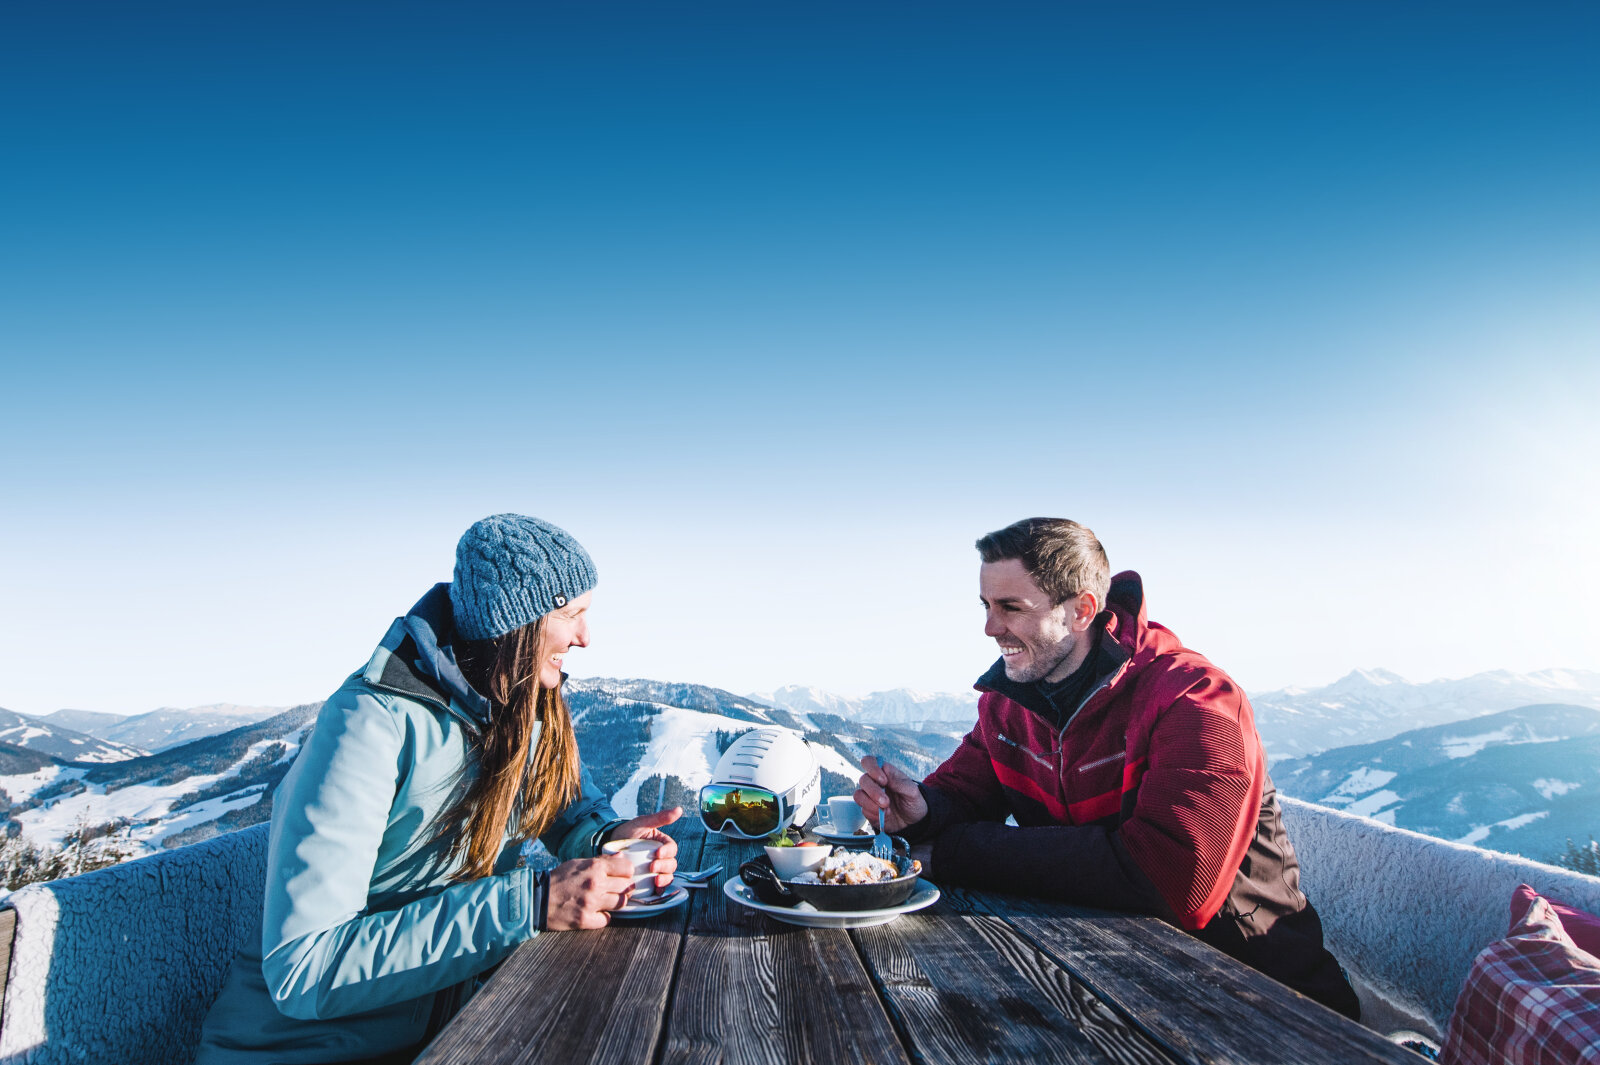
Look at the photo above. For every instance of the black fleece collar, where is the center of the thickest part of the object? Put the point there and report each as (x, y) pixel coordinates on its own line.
(423, 662)
(1042, 697)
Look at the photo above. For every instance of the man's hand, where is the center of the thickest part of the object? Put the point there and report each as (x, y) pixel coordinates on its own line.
(582, 890)
(649, 826)
(884, 787)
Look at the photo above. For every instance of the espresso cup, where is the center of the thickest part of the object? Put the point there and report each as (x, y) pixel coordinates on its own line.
(845, 814)
(640, 853)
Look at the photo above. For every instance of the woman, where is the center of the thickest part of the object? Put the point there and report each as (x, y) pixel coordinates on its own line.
(392, 866)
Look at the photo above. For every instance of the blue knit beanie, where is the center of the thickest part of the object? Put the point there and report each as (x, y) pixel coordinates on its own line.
(510, 570)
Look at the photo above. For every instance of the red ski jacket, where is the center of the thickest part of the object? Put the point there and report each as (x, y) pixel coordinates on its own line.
(1152, 796)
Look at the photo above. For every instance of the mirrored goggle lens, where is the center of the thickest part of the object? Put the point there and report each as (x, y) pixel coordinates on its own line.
(753, 811)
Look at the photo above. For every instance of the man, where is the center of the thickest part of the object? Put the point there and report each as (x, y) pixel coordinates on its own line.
(1130, 763)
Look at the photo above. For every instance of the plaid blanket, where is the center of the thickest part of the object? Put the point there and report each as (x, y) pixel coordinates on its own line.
(1532, 998)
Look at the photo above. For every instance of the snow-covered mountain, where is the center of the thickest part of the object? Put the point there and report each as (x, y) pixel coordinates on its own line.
(166, 727)
(59, 740)
(94, 736)
(1369, 705)
(157, 800)
(647, 743)
(1515, 780)
(89, 722)
(1521, 781)
(652, 744)
(900, 707)
(805, 699)
(1363, 706)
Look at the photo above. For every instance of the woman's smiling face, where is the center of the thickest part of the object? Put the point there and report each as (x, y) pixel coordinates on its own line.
(564, 628)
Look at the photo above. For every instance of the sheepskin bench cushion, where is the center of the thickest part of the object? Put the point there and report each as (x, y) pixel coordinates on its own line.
(1532, 998)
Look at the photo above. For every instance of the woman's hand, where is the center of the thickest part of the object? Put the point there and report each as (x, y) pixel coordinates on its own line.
(649, 826)
(582, 890)
(884, 787)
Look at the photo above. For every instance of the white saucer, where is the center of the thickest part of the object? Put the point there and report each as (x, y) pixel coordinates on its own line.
(674, 897)
(825, 830)
(808, 916)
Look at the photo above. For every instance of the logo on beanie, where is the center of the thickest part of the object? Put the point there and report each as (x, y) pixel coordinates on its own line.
(510, 570)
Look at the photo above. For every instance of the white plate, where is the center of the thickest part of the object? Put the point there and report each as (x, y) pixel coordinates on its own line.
(825, 830)
(672, 898)
(808, 916)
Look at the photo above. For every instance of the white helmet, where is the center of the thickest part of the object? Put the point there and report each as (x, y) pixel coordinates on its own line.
(766, 781)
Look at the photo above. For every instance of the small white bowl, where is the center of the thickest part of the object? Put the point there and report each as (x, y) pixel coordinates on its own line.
(790, 862)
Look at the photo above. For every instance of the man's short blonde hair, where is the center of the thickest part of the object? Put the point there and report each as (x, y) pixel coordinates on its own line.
(1063, 557)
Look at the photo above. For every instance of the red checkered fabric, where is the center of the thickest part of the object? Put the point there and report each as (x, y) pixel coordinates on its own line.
(1582, 927)
(1532, 998)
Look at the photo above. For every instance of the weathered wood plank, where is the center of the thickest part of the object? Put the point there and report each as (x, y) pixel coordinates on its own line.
(1200, 1004)
(967, 987)
(980, 977)
(754, 990)
(592, 997)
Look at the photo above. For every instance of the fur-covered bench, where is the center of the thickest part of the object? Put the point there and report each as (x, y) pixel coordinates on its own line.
(1407, 913)
(118, 966)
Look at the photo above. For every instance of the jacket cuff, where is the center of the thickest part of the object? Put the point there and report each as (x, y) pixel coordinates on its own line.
(946, 854)
(1082, 864)
(602, 835)
(527, 898)
(939, 814)
(539, 906)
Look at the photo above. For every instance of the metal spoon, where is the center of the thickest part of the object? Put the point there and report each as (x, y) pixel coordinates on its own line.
(699, 878)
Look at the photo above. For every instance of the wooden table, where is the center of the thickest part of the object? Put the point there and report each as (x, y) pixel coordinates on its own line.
(975, 977)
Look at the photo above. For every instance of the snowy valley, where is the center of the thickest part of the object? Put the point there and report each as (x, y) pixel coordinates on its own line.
(648, 743)
(1521, 781)
(1463, 760)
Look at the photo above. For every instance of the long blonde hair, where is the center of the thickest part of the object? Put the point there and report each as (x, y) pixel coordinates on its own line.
(507, 783)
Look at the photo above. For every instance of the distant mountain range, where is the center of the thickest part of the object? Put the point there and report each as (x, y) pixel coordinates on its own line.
(1369, 705)
(1361, 707)
(60, 740)
(900, 707)
(179, 795)
(653, 744)
(647, 744)
(1522, 781)
(94, 736)
(167, 727)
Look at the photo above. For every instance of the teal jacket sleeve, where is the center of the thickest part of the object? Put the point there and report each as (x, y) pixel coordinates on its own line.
(578, 831)
(323, 954)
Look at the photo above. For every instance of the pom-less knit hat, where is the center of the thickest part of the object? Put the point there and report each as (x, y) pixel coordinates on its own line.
(510, 570)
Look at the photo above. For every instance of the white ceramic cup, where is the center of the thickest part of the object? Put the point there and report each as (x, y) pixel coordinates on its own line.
(639, 852)
(845, 814)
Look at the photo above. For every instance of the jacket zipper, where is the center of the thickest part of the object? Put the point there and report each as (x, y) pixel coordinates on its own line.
(1061, 737)
(1098, 762)
(1003, 738)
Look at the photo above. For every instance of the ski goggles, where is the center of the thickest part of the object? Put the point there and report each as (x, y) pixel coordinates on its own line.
(745, 811)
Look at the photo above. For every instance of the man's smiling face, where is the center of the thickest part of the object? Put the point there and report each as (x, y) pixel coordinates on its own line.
(1036, 637)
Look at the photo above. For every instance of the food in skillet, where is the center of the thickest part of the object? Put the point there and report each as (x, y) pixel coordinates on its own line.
(851, 867)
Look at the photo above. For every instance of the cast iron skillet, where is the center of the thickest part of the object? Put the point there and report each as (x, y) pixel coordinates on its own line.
(767, 887)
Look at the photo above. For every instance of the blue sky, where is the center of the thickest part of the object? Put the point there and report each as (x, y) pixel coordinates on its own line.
(778, 310)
